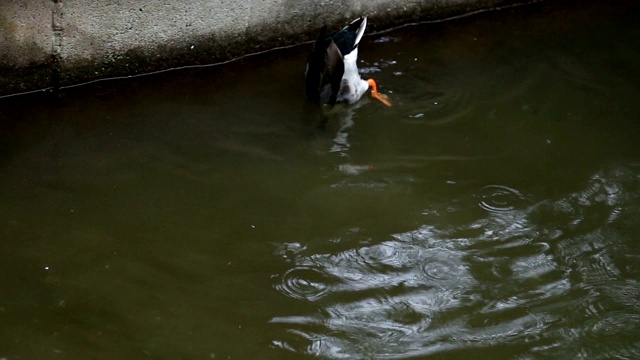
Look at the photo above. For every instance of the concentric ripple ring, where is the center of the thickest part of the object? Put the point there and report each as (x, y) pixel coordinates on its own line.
(500, 199)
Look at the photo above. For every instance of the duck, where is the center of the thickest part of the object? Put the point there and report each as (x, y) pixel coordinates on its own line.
(331, 74)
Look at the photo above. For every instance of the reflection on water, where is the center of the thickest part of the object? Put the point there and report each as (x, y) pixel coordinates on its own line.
(208, 213)
(522, 273)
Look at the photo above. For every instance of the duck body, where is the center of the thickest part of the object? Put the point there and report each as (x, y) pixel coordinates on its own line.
(331, 75)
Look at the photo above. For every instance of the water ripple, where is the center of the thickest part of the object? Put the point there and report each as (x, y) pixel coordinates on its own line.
(500, 199)
(515, 272)
(612, 335)
(437, 107)
(304, 283)
(599, 203)
(445, 268)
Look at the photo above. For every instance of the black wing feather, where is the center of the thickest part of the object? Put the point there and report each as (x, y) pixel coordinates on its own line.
(315, 66)
(333, 71)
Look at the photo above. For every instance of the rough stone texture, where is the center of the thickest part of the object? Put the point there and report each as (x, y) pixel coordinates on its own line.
(25, 45)
(52, 43)
(25, 32)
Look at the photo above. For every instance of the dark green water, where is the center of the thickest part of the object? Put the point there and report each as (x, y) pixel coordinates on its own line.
(493, 212)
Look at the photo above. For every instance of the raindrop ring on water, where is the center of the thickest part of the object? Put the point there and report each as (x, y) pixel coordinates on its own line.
(499, 199)
(304, 283)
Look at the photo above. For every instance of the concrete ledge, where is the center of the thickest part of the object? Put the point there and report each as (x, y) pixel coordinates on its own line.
(53, 43)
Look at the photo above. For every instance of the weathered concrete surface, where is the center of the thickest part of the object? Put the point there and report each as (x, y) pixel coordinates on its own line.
(25, 45)
(51, 43)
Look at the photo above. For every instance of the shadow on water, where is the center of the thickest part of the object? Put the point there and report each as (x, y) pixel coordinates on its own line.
(209, 213)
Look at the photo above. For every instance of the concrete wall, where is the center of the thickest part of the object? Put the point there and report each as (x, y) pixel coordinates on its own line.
(51, 43)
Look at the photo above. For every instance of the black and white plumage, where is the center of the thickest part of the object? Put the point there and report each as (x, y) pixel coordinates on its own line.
(331, 75)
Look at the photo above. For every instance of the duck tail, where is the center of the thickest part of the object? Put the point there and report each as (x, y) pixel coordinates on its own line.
(362, 25)
(349, 37)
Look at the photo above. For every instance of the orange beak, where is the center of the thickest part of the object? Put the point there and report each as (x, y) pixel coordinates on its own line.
(376, 95)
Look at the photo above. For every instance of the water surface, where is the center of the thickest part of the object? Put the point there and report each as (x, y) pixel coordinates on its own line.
(210, 213)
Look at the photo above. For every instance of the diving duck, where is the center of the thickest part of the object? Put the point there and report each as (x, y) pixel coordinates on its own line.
(331, 75)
